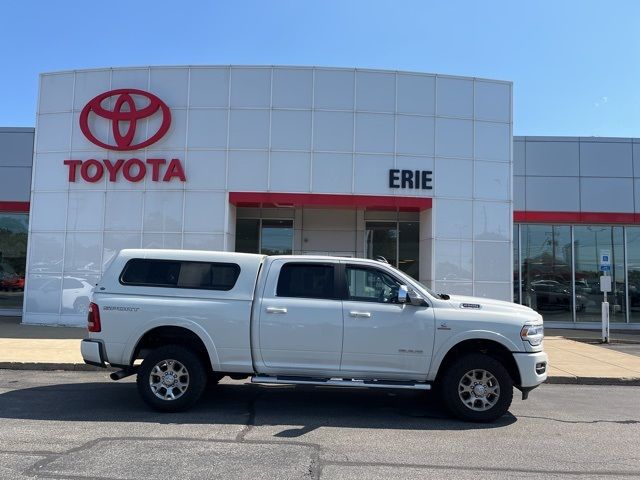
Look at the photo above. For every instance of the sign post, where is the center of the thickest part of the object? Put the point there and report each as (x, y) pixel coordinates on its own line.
(605, 287)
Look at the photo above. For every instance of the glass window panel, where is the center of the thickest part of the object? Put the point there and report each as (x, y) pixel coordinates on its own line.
(276, 237)
(516, 264)
(633, 271)
(306, 280)
(618, 304)
(409, 248)
(177, 274)
(590, 242)
(248, 235)
(162, 273)
(382, 238)
(13, 258)
(546, 270)
(208, 276)
(371, 285)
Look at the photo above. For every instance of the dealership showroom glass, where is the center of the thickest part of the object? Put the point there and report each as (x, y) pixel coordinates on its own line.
(422, 169)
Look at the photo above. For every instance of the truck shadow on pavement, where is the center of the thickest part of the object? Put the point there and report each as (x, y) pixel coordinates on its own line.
(237, 403)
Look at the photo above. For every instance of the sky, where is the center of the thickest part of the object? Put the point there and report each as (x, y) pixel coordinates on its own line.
(575, 64)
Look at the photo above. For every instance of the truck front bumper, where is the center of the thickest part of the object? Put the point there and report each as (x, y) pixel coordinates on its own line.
(533, 368)
(92, 353)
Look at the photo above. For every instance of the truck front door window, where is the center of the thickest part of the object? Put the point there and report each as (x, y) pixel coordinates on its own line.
(371, 285)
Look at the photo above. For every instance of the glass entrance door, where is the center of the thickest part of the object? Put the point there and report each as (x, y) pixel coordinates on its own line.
(269, 237)
(276, 237)
(398, 242)
(590, 242)
(382, 241)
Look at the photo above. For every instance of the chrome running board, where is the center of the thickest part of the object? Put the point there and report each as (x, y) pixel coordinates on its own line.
(339, 382)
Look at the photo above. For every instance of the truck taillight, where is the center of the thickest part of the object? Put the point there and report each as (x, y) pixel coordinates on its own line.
(93, 318)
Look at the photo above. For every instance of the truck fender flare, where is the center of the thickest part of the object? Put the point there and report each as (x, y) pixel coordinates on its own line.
(206, 339)
(445, 348)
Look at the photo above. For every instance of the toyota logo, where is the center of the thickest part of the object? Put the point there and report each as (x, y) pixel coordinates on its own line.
(125, 110)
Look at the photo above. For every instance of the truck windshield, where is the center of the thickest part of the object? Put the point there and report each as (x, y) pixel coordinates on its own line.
(424, 287)
(416, 282)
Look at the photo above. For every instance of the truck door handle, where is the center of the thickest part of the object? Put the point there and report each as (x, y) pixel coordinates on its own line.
(276, 310)
(360, 314)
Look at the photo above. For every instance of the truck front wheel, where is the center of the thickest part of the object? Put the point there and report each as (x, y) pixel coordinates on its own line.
(171, 379)
(477, 388)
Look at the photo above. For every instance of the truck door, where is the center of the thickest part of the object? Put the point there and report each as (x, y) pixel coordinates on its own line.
(301, 319)
(382, 337)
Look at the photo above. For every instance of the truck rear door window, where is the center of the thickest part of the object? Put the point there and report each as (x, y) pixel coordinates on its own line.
(180, 274)
(306, 280)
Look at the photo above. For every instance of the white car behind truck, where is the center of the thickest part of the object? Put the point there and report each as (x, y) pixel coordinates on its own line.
(179, 319)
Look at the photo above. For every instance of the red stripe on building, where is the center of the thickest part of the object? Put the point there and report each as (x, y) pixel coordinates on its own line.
(576, 217)
(254, 199)
(14, 207)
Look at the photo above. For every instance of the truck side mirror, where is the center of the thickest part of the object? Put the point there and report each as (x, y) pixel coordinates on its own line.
(416, 299)
(403, 293)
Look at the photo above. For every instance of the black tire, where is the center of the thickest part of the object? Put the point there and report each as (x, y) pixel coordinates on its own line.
(196, 377)
(456, 398)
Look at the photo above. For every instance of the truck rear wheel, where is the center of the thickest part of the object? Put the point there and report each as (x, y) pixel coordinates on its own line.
(477, 388)
(171, 379)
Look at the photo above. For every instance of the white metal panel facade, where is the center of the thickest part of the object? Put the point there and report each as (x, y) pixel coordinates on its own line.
(271, 129)
(577, 174)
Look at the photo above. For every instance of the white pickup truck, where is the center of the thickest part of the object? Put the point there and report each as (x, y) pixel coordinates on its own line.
(179, 319)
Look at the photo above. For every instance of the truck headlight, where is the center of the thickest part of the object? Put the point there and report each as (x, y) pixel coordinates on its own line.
(534, 334)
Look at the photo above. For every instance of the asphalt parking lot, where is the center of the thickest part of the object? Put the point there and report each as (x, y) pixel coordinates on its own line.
(82, 425)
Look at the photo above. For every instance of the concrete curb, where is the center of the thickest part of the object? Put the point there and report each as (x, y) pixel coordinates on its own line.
(593, 341)
(69, 367)
(611, 381)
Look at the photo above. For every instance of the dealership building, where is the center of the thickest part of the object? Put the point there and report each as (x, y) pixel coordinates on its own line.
(421, 169)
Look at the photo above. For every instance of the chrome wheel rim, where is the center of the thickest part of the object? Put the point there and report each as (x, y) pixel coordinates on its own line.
(169, 379)
(479, 390)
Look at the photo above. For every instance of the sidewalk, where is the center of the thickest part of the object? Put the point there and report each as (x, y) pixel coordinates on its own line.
(589, 364)
(31, 347)
(595, 336)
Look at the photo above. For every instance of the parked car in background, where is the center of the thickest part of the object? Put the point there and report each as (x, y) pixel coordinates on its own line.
(76, 292)
(75, 295)
(553, 295)
(11, 282)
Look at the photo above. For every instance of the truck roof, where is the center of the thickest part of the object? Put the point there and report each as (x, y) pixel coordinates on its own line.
(326, 258)
(194, 255)
(242, 259)
(210, 255)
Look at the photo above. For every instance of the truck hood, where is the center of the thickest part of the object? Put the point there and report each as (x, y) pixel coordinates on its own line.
(490, 305)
